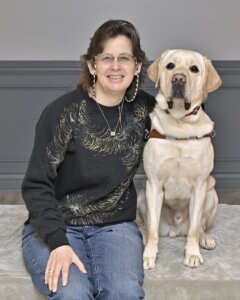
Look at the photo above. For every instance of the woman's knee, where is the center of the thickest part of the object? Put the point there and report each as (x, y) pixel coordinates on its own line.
(72, 292)
(35, 254)
(79, 287)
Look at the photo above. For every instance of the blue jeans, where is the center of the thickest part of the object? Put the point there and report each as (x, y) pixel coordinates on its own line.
(112, 256)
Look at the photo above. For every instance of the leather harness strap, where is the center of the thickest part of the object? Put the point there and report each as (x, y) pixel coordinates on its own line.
(157, 135)
(194, 111)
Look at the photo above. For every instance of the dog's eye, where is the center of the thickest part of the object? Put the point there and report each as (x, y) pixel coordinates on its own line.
(194, 69)
(170, 66)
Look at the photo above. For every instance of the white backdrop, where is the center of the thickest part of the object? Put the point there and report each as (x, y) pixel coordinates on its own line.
(60, 29)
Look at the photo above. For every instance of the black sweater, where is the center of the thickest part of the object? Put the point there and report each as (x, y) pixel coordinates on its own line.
(78, 174)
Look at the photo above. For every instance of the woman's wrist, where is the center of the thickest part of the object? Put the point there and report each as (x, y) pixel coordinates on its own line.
(57, 239)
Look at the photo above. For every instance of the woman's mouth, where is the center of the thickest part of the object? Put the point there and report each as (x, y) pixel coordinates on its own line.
(115, 77)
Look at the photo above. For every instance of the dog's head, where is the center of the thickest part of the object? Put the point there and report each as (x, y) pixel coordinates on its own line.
(185, 78)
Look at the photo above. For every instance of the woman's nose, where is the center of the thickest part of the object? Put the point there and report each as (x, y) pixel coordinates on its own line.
(115, 63)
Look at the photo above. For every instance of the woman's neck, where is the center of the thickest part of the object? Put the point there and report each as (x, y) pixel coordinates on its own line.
(110, 99)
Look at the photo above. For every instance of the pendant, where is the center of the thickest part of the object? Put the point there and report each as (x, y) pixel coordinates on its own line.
(113, 133)
(120, 137)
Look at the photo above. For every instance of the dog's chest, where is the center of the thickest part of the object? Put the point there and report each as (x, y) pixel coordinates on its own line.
(178, 161)
(177, 166)
(180, 164)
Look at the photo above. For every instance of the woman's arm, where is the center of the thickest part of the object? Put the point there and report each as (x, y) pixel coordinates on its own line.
(53, 134)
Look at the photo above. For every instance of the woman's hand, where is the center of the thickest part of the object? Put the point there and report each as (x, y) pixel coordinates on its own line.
(59, 261)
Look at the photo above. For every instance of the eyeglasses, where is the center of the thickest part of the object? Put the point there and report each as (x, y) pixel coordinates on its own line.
(108, 59)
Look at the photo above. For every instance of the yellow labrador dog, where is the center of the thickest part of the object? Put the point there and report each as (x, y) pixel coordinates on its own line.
(179, 197)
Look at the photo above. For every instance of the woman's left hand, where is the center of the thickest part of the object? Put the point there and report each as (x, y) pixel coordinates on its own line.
(59, 261)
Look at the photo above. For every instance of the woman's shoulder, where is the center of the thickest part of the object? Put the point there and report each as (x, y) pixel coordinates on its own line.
(72, 98)
(67, 99)
(63, 105)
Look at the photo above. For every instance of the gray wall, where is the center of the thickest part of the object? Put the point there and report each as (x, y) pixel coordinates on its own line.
(27, 87)
(60, 29)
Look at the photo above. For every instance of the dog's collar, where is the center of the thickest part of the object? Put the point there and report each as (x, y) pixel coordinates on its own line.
(193, 112)
(155, 134)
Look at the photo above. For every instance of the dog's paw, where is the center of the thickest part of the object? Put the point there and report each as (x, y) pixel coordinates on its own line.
(192, 260)
(149, 263)
(207, 242)
(149, 259)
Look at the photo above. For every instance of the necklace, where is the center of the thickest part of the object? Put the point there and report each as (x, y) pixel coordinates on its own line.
(119, 122)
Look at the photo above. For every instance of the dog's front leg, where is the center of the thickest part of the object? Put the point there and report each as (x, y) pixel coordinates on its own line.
(193, 257)
(154, 199)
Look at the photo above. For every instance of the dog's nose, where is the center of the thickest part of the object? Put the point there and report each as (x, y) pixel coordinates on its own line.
(179, 78)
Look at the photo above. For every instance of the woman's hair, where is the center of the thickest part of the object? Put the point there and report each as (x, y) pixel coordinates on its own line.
(107, 30)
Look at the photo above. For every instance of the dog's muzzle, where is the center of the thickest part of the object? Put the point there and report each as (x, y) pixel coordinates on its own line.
(178, 90)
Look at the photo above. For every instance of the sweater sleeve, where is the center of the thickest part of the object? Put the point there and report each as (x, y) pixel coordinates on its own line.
(150, 104)
(53, 134)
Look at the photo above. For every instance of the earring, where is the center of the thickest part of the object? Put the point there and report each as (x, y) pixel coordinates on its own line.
(94, 81)
(136, 90)
(94, 84)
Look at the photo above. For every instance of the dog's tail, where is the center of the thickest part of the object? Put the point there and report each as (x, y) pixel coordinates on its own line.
(210, 183)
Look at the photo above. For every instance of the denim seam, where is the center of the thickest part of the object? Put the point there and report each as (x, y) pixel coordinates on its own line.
(32, 259)
(95, 267)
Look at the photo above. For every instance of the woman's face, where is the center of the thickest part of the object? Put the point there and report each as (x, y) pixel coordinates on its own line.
(115, 67)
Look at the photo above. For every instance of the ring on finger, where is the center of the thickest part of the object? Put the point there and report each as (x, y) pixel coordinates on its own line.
(50, 271)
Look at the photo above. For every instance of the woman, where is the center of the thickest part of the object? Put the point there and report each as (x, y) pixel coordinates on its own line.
(80, 241)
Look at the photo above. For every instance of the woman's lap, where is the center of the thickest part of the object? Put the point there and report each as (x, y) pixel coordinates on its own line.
(117, 254)
(112, 256)
(36, 255)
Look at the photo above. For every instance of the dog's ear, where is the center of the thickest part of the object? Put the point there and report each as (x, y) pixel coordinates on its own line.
(213, 80)
(153, 71)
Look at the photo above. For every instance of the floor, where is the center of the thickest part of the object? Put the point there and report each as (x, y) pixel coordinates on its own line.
(225, 196)
(229, 196)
